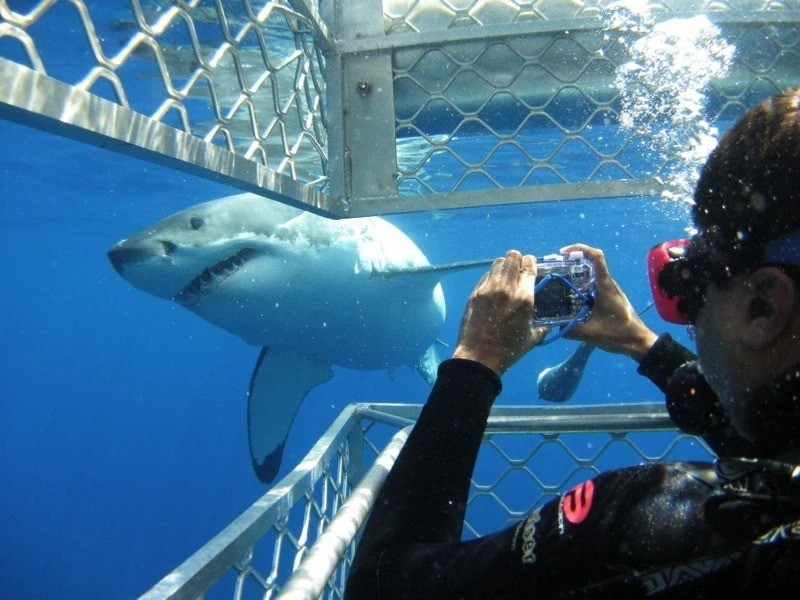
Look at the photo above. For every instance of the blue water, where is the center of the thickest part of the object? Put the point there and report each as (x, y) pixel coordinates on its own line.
(123, 416)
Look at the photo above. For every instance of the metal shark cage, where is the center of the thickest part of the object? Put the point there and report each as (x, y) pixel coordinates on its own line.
(298, 540)
(361, 107)
(350, 108)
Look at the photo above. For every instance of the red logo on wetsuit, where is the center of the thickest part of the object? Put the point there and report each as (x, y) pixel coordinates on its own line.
(578, 502)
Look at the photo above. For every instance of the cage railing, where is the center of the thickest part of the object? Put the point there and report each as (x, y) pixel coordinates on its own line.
(294, 542)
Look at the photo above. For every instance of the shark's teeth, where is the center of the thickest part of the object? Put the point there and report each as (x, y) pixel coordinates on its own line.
(212, 277)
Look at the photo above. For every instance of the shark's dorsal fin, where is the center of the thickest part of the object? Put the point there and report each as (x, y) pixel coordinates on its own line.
(281, 380)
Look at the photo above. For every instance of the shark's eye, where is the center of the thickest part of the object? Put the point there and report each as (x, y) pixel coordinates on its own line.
(196, 222)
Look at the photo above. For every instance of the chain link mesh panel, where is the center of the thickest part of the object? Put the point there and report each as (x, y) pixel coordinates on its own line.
(550, 110)
(528, 456)
(245, 76)
(418, 16)
(266, 566)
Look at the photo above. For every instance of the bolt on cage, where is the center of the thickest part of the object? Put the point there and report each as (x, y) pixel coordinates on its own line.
(351, 108)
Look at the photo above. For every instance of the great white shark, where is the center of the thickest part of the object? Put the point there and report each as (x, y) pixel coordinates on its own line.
(309, 291)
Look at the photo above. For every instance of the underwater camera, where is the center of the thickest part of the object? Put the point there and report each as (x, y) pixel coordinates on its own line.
(564, 290)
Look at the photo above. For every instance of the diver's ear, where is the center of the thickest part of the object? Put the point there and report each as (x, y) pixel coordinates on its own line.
(771, 305)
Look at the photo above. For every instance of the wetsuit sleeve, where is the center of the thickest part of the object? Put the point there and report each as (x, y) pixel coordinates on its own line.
(690, 401)
(662, 360)
(424, 497)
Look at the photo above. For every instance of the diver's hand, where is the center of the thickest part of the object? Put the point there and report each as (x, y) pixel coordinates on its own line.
(496, 326)
(614, 325)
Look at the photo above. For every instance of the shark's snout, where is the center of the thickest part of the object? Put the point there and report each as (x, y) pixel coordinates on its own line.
(120, 256)
(126, 253)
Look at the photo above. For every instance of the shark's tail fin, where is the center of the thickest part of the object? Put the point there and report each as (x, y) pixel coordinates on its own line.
(558, 383)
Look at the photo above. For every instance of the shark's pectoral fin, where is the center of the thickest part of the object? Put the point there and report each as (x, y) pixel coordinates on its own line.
(279, 384)
(428, 365)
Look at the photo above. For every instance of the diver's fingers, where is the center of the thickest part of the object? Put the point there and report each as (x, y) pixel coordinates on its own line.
(496, 270)
(538, 334)
(595, 255)
(511, 265)
(527, 273)
(528, 263)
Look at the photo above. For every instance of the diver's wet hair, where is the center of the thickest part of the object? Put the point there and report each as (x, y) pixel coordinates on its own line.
(749, 189)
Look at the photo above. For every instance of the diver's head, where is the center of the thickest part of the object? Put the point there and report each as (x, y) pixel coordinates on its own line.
(742, 269)
(748, 193)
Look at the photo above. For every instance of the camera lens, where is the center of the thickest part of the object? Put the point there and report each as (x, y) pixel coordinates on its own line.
(554, 301)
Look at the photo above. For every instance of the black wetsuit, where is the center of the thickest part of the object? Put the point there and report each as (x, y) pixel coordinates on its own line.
(678, 530)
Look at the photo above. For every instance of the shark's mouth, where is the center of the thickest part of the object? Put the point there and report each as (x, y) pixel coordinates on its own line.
(212, 277)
